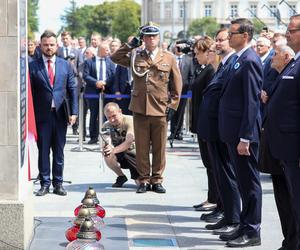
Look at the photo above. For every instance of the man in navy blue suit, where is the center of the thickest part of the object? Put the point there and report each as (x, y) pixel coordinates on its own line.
(239, 127)
(283, 115)
(208, 130)
(122, 85)
(98, 74)
(52, 81)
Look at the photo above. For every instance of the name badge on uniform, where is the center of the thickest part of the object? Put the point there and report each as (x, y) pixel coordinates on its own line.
(236, 66)
(287, 77)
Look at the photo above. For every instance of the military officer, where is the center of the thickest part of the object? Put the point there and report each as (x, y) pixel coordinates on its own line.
(155, 96)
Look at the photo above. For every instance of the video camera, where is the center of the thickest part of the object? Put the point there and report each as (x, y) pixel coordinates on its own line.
(71, 56)
(185, 45)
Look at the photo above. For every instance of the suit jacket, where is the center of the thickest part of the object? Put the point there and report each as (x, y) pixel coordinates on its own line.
(78, 56)
(64, 88)
(208, 112)
(187, 72)
(239, 114)
(202, 78)
(283, 114)
(159, 87)
(121, 81)
(90, 76)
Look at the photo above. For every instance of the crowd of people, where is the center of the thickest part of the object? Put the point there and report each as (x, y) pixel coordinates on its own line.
(245, 111)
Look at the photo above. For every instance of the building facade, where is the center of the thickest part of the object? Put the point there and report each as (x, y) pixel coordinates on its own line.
(174, 16)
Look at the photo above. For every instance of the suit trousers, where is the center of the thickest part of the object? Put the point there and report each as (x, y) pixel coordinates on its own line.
(212, 193)
(223, 170)
(51, 134)
(150, 130)
(177, 119)
(94, 118)
(291, 172)
(248, 179)
(284, 204)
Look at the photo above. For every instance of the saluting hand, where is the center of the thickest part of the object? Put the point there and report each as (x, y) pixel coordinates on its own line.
(243, 148)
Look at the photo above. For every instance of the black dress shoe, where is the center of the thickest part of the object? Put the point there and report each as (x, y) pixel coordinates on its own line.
(59, 190)
(158, 188)
(215, 218)
(93, 141)
(227, 229)
(120, 181)
(43, 191)
(143, 188)
(217, 225)
(244, 241)
(206, 207)
(199, 205)
(212, 213)
(230, 236)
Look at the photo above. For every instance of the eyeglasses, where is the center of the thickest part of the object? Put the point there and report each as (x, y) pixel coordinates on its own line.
(292, 31)
(234, 33)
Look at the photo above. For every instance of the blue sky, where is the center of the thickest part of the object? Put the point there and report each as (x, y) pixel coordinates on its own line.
(50, 11)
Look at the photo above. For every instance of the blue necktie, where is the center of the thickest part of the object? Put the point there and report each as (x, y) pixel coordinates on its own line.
(101, 69)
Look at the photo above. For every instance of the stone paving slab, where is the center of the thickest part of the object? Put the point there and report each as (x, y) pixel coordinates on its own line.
(135, 216)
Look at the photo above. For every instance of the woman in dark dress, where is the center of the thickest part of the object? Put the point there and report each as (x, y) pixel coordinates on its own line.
(203, 74)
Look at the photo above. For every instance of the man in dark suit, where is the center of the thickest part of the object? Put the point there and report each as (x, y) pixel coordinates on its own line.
(122, 86)
(268, 164)
(98, 74)
(239, 128)
(283, 115)
(74, 56)
(223, 169)
(186, 66)
(52, 80)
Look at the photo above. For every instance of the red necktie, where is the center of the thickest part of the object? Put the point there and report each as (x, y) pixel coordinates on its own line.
(50, 73)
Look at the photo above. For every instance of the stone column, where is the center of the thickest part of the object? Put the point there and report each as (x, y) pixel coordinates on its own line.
(16, 224)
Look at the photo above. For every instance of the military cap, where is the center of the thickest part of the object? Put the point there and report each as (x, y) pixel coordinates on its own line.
(149, 28)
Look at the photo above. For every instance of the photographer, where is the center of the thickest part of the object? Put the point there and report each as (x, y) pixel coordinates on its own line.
(120, 153)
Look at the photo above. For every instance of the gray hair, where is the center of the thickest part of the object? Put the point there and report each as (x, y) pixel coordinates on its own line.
(286, 49)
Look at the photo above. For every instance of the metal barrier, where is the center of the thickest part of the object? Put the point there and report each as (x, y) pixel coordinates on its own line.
(101, 97)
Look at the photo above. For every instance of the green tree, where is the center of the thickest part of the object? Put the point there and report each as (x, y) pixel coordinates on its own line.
(258, 25)
(126, 19)
(76, 19)
(32, 19)
(101, 18)
(203, 26)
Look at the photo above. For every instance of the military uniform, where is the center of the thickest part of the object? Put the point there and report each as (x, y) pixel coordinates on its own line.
(157, 85)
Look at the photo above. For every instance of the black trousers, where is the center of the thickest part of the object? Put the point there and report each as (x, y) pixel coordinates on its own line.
(212, 194)
(177, 119)
(289, 227)
(248, 179)
(224, 173)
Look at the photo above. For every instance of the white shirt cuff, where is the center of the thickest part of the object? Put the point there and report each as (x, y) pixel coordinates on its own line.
(244, 140)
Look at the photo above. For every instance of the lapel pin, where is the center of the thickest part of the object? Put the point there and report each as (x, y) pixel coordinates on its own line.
(236, 66)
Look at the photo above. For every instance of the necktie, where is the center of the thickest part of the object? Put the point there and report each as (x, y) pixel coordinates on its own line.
(101, 70)
(50, 73)
(219, 67)
(179, 62)
(67, 53)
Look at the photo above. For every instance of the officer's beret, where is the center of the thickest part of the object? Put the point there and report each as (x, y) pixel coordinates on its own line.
(150, 29)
